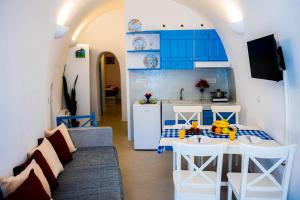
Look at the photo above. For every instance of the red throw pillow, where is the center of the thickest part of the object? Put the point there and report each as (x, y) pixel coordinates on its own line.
(41, 161)
(32, 188)
(60, 145)
(17, 170)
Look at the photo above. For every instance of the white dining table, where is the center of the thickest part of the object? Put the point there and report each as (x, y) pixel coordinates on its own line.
(231, 147)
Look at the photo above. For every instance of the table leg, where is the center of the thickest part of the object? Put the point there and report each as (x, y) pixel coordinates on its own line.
(229, 162)
(174, 161)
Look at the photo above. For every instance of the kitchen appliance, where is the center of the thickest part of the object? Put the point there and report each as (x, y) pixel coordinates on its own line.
(146, 125)
(218, 96)
(220, 100)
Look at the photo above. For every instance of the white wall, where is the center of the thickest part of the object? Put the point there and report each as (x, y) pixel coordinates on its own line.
(154, 13)
(25, 40)
(57, 59)
(106, 34)
(280, 19)
(81, 67)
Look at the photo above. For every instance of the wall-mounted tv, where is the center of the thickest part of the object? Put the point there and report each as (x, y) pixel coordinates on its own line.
(266, 60)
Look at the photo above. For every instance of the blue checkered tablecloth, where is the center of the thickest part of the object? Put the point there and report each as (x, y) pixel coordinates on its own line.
(173, 133)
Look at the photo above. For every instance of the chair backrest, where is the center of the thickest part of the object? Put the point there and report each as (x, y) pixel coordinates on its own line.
(234, 110)
(188, 151)
(183, 111)
(277, 156)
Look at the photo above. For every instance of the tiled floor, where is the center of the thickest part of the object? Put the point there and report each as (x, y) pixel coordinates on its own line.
(146, 175)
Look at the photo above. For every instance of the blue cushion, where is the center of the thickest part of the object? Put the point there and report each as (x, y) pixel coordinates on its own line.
(93, 174)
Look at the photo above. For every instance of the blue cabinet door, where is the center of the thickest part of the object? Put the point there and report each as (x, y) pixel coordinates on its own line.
(202, 45)
(208, 117)
(177, 49)
(216, 48)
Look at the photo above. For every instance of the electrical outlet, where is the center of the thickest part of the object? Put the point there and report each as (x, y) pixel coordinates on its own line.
(258, 99)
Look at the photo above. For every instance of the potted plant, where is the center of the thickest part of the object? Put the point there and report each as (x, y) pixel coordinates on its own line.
(202, 84)
(71, 102)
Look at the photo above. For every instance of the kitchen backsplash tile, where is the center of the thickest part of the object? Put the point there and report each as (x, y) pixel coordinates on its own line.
(166, 84)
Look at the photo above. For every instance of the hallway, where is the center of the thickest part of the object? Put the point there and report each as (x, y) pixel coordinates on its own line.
(146, 175)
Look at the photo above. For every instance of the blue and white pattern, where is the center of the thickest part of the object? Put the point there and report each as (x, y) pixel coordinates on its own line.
(173, 133)
(151, 61)
(134, 25)
(139, 43)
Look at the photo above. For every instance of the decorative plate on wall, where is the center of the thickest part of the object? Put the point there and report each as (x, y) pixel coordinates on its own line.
(151, 61)
(139, 43)
(134, 25)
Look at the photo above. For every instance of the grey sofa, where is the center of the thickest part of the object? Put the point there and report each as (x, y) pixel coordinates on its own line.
(94, 172)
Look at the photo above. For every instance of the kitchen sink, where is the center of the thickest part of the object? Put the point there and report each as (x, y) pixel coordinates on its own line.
(177, 101)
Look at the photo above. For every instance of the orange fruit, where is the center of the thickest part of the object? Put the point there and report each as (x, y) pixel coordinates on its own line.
(218, 130)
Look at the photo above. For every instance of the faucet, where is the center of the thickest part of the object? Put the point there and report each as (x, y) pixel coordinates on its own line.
(181, 97)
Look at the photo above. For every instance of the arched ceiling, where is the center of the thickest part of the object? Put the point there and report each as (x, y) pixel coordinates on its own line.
(77, 13)
(224, 10)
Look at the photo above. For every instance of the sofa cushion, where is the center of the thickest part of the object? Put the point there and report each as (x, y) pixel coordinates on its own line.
(41, 161)
(93, 174)
(63, 129)
(25, 191)
(60, 146)
(50, 156)
(10, 184)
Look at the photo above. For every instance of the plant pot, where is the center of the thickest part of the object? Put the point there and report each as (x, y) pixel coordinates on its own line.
(148, 100)
(75, 123)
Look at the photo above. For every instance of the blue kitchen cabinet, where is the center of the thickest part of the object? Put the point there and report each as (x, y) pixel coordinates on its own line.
(202, 45)
(216, 48)
(208, 117)
(208, 46)
(177, 49)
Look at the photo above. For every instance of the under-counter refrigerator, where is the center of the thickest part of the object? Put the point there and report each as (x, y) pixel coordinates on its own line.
(146, 125)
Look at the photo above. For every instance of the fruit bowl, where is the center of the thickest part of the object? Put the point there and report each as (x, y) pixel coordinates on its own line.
(221, 127)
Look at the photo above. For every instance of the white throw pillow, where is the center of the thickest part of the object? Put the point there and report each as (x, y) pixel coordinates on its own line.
(50, 155)
(11, 184)
(64, 131)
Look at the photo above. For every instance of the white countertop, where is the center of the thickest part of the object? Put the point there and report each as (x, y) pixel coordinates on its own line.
(206, 103)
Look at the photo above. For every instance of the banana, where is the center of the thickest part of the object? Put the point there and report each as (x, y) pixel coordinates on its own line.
(221, 123)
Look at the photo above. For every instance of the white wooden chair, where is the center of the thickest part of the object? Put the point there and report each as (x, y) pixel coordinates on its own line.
(261, 186)
(234, 110)
(183, 111)
(198, 183)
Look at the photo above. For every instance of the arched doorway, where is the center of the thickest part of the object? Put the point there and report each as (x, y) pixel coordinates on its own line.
(109, 79)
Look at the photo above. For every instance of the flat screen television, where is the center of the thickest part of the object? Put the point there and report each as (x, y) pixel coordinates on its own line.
(266, 60)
